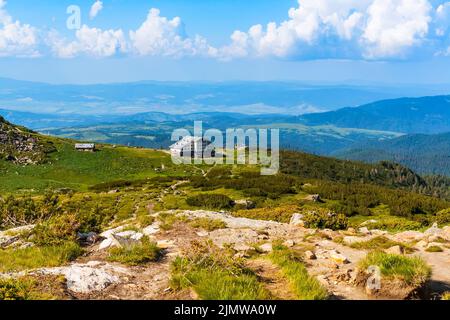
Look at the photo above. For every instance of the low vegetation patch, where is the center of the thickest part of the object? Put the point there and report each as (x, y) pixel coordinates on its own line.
(167, 220)
(410, 270)
(304, 286)
(30, 288)
(208, 224)
(434, 249)
(379, 243)
(443, 217)
(13, 260)
(322, 218)
(280, 214)
(215, 274)
(137, 254)
(210, 201)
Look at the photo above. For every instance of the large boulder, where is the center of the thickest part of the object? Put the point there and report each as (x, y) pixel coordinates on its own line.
(87, 278)
(297, 220)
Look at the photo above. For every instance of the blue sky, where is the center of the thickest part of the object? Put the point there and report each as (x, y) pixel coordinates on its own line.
(389, 41)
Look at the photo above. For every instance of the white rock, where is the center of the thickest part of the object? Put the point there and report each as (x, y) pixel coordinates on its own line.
(377, 232)
(151, 230)
(421, 244)
(109, 243)
(243, 247)
(352, 239)
(165, 244)
(267, 247)
(446, 233)
(365, 223)
(309, 255)
(202, 234)
(364, 230)
(338, 257)
(289, 243)
(109, 233)
(395, 250)
(409, 236)
(433, 231)
(86, 278)
(6, 241)
(296, 220)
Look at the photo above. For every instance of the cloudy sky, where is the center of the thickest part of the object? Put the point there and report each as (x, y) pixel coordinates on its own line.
(88, 41)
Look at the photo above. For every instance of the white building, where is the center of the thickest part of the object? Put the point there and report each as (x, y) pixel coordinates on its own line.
(85, 147)
(195, 146)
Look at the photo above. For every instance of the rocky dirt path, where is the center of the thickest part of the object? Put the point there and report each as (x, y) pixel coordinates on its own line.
(272, 278)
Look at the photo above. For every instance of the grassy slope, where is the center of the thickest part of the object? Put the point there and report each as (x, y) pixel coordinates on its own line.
(78, 170)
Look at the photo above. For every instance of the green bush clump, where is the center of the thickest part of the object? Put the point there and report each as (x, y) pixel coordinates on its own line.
(443, 217)
(15, 211)
(305, 286)
(215, 274)
(411, 270)
(56, 230)
(15, 260)
(136, 254)
(208, 224)
(434, 249)
(322, 218)
(210, 201)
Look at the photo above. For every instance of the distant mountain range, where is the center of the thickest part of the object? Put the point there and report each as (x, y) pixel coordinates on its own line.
(293, 98)
(407, 115)
(423, 153)
(412, 131)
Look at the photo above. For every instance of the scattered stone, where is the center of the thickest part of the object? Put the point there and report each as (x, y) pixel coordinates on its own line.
(296, 220)
(243, 247)
(203, 234)
(245, 203)
(263, 237)
(368, 222)
(309, 255)
(351, 230)
(313, 198)
(395, 250)
(377, 232)
(433, 231)
(338, 257)
(7, 241)
(434, 244)
(165, 244)
(151, 230)
(446, 233)
(364, 230)
(421, 244)
(88, 238)
(109, 233)
(289, 243)
(352, 239)
(323, 280)
(109, 243)
(408, 236)
(267, 247)
(113, 191)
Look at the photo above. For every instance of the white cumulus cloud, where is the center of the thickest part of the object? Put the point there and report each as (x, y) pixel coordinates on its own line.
(372, 29)
(159, 35)
(95, 9)
(395, 25)
(89, 41)
(16, 39)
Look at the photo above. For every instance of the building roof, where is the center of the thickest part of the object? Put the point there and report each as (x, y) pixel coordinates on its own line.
(84, 146)
(185, 142)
